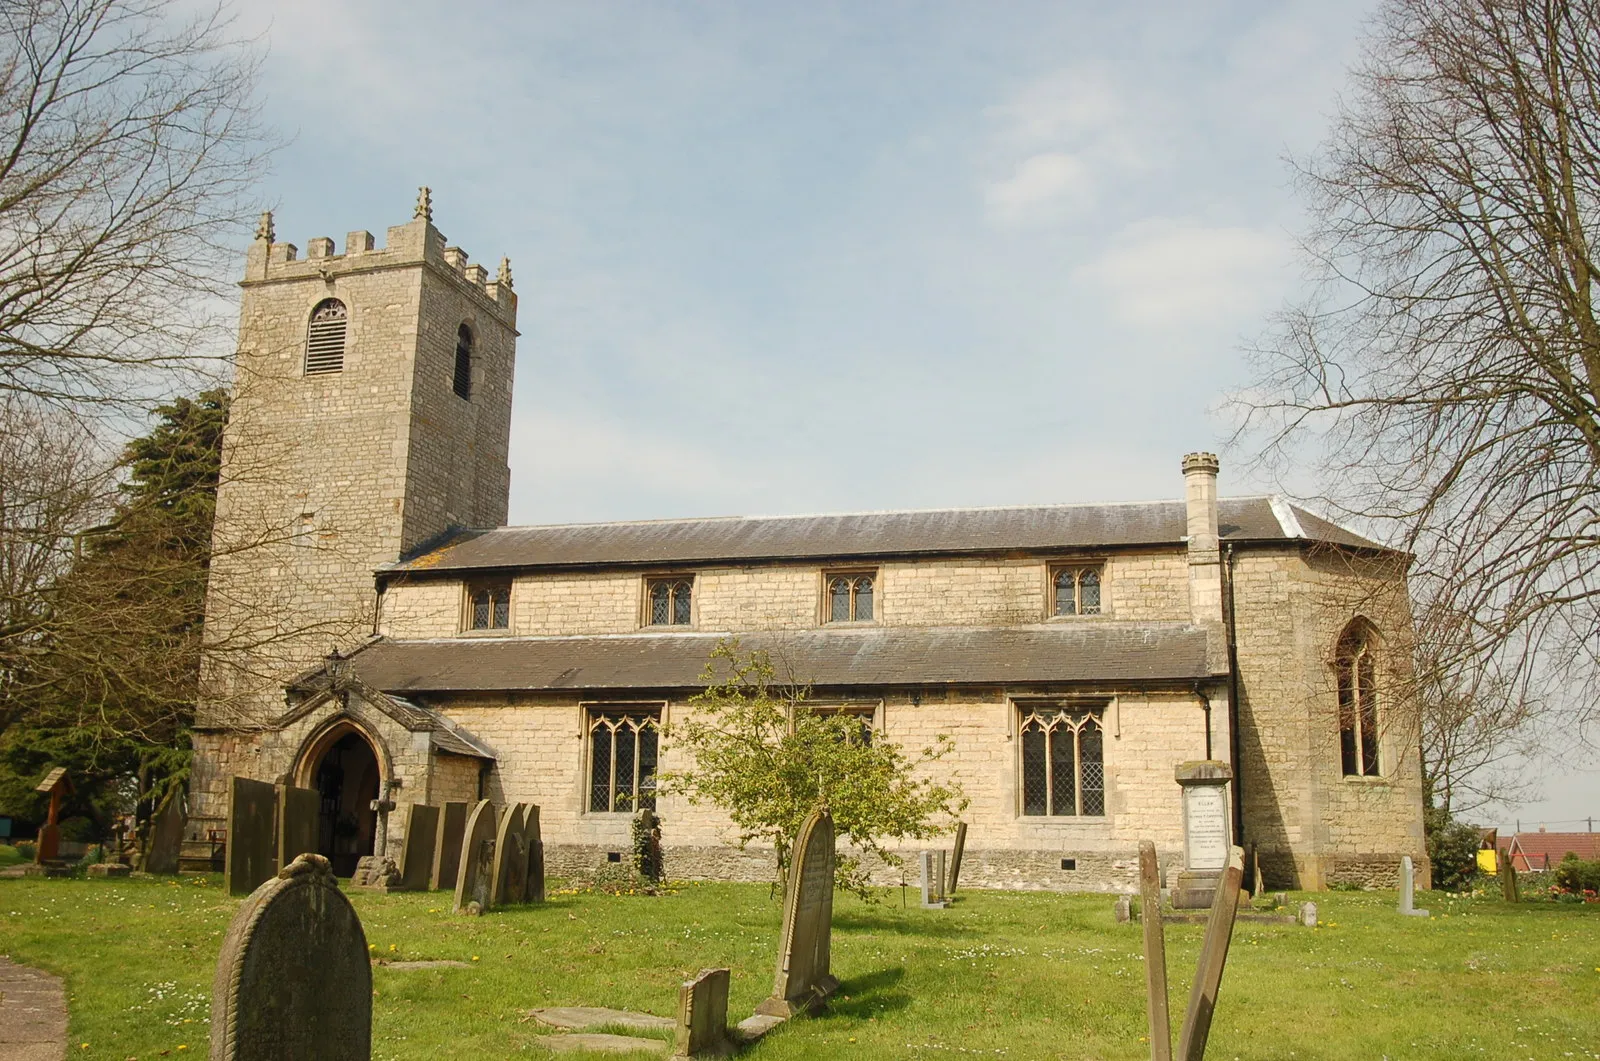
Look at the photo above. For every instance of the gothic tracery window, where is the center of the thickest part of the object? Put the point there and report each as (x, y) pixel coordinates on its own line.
(1063, 761)
(850, 598)
(670, 602)
(1077, 591)
(489, 606)
(325, 336)
(624, 742)
(1356, 664)
(462, 383)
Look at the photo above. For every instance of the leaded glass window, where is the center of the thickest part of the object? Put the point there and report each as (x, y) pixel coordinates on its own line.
(462, 383)
(1357, 667)
(489, 606)
(850, 598)
(670, 602)
(624, 743)
(325, 337)
(1063, 761)
(1077, 591)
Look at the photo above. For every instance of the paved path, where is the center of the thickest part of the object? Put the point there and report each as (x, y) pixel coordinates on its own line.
(33, 1014)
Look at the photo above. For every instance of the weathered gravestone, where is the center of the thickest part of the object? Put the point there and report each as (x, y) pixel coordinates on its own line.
(1206, 833)
(416, 852)
(252, 835)
(703, 1015)
(1122, 910)
(1308, 915)
(1508, 880)
(1213, 957)
(955, 856)
(533, 841)
(166, 837)
(804, 982)
(1155, 953)
(475, 879)
(299, 815)
(932, 865)
(447, 845)
(510, 860)
(1408, 889)
(293, 979)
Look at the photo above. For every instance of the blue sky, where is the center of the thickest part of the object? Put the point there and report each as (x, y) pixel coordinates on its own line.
(813, 257)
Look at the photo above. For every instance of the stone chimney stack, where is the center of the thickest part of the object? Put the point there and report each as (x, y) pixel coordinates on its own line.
(1205, 558)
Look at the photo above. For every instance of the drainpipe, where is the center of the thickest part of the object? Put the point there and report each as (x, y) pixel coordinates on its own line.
(1205, 707)
(1233, 693)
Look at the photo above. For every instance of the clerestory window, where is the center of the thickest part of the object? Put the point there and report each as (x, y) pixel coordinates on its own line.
(669, 602)
(1356, 663)
(489, 605)
(850, 597)
(1076, 590)
(1063, 760)
(463, 375)
(624, 740)
(325, 336)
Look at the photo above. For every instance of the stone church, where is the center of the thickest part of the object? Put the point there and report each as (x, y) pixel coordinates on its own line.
(376, 632)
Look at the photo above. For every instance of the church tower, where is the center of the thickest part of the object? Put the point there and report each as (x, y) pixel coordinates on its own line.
(371, 414)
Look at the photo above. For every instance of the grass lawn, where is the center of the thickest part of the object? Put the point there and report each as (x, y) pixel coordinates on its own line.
(1005, 974)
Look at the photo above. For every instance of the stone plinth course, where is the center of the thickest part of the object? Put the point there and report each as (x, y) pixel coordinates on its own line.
(293, 979)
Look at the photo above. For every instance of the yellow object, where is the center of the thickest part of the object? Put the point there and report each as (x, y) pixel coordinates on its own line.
(1488, 861)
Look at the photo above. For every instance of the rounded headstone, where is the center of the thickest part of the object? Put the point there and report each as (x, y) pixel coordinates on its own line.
(293, 978)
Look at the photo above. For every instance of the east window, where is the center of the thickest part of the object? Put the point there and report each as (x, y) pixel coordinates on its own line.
(1063, 760)
(1076, 590)
(669, 602)
(1356, 661)
(489, 605)
(624, 740)
(850, 596)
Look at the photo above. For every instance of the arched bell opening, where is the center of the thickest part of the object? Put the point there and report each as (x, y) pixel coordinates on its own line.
(344, 766)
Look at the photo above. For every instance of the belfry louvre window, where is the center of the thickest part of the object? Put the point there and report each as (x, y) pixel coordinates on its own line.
(489, 605)
(669, 602)
(623, 744)
(1077, 590)
(1356, 661)
(850, 597)
(1063, 760)
(325, 338)
(463, 377)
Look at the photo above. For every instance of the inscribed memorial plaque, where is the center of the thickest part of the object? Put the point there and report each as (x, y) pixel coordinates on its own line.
(1205, 827)
(804, 981)
(293, 979)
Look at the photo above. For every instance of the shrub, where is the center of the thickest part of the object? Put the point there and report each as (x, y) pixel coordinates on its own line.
(1576, 876)
(27, 849)
(1452, 848)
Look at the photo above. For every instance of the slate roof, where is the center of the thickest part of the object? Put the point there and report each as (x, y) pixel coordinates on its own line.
(944, 531)
(1043, 653)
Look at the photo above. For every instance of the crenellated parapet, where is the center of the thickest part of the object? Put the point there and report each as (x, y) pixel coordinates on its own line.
(405, 246)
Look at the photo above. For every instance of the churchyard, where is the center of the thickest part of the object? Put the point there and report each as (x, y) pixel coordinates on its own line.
(998, 974)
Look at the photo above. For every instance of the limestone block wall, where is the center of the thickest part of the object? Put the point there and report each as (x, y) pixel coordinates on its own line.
(1138, 587)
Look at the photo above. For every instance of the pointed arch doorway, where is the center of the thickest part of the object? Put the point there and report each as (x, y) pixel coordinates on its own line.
(344, 766)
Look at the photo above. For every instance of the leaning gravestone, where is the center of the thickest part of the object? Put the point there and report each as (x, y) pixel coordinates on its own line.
(510, 860)
(1408, 886)
(166, 837)
(533, 842)
(803, 981)
(293, 979)
(416, 852)
(955, 857)
(703, 1015)
(299, 815)
(252, 839)
(447, 845)
(1207, 838)
(476, 877)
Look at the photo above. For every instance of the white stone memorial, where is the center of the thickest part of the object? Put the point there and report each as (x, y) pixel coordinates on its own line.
(1408, 889)
(1207, 832)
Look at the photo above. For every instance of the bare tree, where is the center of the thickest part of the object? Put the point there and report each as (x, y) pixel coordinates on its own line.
(128, 145)
(1445, 373)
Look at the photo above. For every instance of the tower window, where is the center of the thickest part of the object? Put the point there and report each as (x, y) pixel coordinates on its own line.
(1076, 591)
(849, 598)
(325, 338)
(1356, 661)
(463, 377)
(669, 602)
